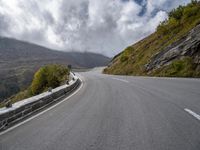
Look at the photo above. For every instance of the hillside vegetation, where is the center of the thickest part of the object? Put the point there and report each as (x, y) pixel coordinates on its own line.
(148, 56)
(49, 76)
(19, 61)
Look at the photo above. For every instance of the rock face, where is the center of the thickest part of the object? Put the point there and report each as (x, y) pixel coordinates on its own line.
(189, 45)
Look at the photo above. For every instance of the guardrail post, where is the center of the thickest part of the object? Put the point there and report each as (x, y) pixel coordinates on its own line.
(9, 116)
(8, 104)
(50, 89)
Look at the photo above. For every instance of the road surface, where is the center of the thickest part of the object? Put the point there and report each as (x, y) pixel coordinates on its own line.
(116, 113)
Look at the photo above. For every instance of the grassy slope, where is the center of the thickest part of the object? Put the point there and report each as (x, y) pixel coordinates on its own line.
(179, 68)
(133, 59)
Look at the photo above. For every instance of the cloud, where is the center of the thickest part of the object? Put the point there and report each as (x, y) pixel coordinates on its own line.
(102, 26)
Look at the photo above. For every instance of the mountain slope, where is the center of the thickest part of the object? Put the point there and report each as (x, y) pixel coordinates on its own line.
(19, 61)
(19, 51)
(173, 50)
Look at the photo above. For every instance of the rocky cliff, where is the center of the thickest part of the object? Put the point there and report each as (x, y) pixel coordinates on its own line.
(187, 46)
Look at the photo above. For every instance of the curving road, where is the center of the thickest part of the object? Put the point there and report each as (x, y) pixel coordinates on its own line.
(116, 113)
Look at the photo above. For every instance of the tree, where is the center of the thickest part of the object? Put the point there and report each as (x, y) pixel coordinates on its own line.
(177, 13)
(48, 76)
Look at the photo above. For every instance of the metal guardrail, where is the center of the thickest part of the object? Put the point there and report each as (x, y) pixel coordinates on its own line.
(24, 108)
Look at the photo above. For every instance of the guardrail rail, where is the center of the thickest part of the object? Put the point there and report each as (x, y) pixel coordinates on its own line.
(22, 109)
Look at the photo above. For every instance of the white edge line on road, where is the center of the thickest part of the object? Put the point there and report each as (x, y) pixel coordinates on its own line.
(192, 113)
(120, 80)
(44, 111)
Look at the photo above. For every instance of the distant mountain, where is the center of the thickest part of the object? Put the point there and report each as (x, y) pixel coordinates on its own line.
(19, 52)
(173, 50)
(19, 60)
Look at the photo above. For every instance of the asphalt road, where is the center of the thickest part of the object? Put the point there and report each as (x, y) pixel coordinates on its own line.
(116, 113)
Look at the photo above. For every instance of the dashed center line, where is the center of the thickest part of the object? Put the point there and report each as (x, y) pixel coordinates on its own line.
(120, 80)
(192, 113)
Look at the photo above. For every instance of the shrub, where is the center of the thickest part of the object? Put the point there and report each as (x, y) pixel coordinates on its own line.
(128, 50)
(126, 53)
(180, 17)
(173, 23)
(191, 11)
(162, 28)
(48, 76)
(177, 13)
(123, 58)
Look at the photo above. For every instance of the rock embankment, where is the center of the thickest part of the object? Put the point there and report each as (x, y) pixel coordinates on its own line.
(189, 45)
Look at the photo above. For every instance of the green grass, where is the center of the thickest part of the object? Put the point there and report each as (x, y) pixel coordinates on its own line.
(133, 59)
(179, 68)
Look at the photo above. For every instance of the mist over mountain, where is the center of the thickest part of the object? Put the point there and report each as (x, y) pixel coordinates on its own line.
(20, 51)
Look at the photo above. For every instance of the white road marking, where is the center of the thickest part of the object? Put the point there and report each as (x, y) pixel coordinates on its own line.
(166, 78)
(120, 80)
(192, 113)
(44, 111)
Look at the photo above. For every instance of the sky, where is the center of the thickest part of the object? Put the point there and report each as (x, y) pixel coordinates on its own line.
(100, 26)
